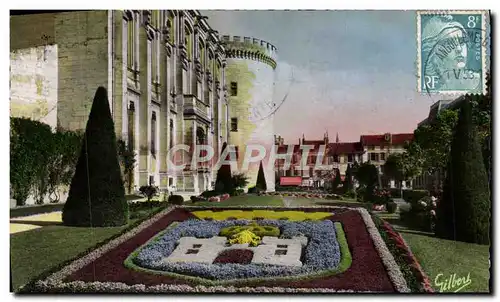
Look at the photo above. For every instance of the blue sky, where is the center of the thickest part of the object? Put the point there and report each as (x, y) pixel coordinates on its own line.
(354, 72)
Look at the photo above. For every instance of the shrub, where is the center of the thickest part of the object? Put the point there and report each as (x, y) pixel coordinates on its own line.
(208, 194)
(391, 207)
(395, 193)
(176, 199)
(413, 196)
(381, 196)
(240, 181)
(127, 162)
(350, 194)
(253, 190)
(224, 181)
(149, 191)
(261, 179)
(41, 161)
(238, 192)
(421, 215)
(97, 195)
(464, 211)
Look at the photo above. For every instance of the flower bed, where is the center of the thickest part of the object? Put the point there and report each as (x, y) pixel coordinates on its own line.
(372, 269)
(322, 241)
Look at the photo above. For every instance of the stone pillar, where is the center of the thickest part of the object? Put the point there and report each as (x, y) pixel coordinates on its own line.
(165, 53)
(144, 104)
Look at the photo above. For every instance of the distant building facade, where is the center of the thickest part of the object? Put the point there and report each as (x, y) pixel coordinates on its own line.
(370, 148)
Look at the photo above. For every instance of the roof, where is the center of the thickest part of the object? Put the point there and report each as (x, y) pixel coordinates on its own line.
(283, 149)
(315, 143)
(345, 148)
(380, 139)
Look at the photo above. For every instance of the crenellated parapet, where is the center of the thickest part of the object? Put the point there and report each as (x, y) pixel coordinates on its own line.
(249, 48)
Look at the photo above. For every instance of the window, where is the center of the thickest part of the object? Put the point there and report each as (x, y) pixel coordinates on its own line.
(155, 18)
(151, 180)
(373, 157)
(171, 134)
(350, 158)
(335, 158)
(131, 43)
(202, 54)
(382, 156)
(217, 72)
(155, 59)
(171, 23)
(237, 151)
(234, 89)
(153, 133)
(188, 41)
(234, 124)
(131, 125)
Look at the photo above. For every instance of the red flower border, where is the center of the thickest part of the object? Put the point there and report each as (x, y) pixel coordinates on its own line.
(410, 257)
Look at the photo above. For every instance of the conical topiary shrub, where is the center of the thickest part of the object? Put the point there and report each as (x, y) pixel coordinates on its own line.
(97, 195)
(261, 179)
(224, 180)
(463, 214)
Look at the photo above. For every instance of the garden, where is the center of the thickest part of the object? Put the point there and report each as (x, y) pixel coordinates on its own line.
(187, 249)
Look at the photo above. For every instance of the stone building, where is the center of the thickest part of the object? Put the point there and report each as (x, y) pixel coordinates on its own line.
(165, 72)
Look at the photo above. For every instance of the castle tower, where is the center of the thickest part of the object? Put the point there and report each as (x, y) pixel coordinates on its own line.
(250, 77)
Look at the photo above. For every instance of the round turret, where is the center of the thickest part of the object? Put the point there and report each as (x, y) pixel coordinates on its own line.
(250, 79)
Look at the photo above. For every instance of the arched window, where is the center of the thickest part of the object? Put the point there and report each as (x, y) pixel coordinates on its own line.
(171, 27)
(211, 61)
(201, 52)
(188, 40)
(200, 136)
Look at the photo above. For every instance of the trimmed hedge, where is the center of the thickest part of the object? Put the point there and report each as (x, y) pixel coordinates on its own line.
(176, 199)
(97, 194)
(413, 196)
(391, 207)
(40, 160)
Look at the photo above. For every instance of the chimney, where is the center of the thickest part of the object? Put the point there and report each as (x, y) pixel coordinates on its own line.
(337, 138)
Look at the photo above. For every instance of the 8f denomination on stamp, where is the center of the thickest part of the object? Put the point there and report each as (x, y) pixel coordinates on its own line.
(451, 50)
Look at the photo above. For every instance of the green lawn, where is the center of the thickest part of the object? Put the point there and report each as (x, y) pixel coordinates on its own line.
(244, 200)
(439, 256)
(36, 251)
(446, 257)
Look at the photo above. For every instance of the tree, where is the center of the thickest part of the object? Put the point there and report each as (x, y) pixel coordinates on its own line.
(394, 168)
(224, 181)
(367, 174)
(464, 212)
(261, 179)
(127, 161)
(240, 180)
(97, 195)
(348, 185)
(337, 179)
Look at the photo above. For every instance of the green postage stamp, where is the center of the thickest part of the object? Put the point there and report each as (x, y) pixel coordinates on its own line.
(452, 51)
